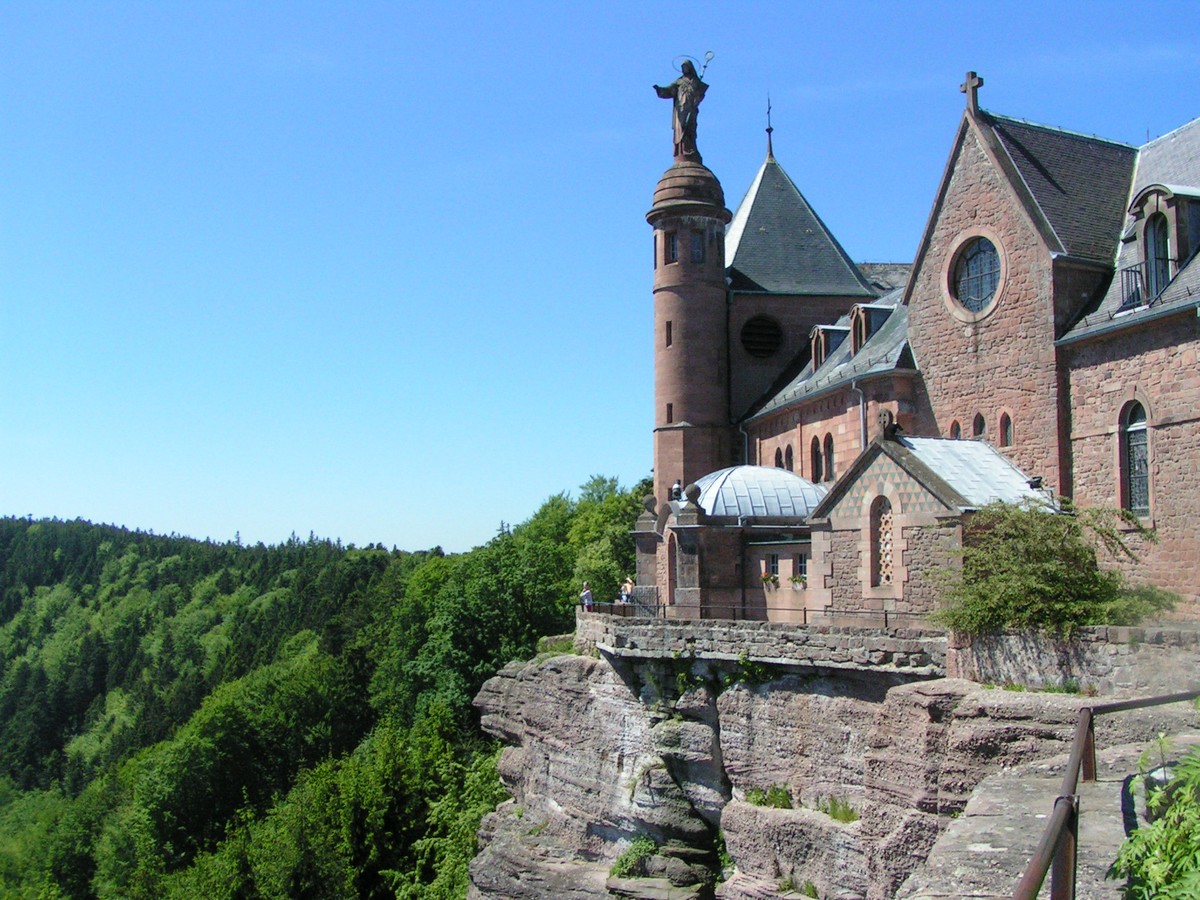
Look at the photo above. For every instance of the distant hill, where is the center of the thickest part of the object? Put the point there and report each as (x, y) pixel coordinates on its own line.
(185, 718)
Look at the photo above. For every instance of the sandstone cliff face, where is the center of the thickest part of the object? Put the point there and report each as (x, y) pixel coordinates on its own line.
(602, 750)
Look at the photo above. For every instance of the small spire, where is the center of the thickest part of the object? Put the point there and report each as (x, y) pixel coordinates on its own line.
(770, 150)
(971, 87)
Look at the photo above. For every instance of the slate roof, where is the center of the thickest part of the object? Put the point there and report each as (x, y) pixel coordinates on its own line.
(758, 492)
(1172, 161)
(1080, 183)
(777, 243)
(885, 351)
(885, 277)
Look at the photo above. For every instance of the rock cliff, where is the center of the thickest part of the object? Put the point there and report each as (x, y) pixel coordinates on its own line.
(753, 767)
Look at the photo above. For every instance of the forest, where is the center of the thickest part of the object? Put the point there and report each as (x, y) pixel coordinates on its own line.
(183, 718)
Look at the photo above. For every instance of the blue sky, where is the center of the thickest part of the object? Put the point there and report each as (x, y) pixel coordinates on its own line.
(380, 271)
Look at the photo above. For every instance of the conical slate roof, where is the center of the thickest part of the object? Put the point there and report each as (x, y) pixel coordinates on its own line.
(777, 243)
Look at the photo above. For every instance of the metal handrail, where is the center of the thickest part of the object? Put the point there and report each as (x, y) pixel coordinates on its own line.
(806, 615)
(1057, 848)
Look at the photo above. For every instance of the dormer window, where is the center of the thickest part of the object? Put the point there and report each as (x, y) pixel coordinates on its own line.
(825, 340)
(858, 330)
(1158, 260)
(820, 348)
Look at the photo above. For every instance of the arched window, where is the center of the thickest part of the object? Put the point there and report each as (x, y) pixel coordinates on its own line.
(778, 458)
(816, 460)
(829, 469)
(955, 430)
(881, 542)
(1006, 430)
(1158, 268)
(979, 427)
(1135, 461)
(788, 460)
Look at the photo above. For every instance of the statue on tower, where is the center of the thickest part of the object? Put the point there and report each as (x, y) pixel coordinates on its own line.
(686, 91)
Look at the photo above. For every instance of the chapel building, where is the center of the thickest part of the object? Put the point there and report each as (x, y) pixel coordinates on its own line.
(822, 428)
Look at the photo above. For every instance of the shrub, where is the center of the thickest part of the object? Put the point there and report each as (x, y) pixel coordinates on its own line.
(1029, 567)
(1162, 860)
(630, 862)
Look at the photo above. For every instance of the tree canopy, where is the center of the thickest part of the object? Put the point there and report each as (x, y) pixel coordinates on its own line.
(182, 718)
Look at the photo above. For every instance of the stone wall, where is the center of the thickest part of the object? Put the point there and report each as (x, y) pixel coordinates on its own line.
(927, 549)
(1004, 361)
(1108, 660)
(908, 651)
(1155, 366)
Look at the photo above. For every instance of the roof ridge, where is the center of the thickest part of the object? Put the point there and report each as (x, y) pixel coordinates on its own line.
(1171, 133)
(1067, 131)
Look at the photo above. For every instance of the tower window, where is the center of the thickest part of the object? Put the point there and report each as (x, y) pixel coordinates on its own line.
(955, 430)
(1006, 430)
(829, 468)
(778, 458)
(979, 426)
(697, 246)
(815, 462)
(1135, 461)
(671, 247)
(788, 460)
(762, 336)
(668, 334)
(670, 413)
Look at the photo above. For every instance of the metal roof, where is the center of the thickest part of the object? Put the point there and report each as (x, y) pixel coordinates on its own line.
(758, 492)
(975, 470)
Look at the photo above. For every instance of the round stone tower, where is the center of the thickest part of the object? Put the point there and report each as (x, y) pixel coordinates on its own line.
(691, 386)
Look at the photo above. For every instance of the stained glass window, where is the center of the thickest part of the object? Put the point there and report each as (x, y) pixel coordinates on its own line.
(976, 274)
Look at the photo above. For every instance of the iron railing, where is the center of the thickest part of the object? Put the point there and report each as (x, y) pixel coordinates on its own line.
(794, 615)
(1055, 853)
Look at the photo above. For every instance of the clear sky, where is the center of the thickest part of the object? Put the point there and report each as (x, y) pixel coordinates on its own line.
(380, 271)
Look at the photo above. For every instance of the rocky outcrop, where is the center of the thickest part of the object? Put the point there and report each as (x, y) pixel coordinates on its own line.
(602, 750)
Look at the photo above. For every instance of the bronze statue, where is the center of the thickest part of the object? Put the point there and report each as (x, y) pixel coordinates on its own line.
(687, 91)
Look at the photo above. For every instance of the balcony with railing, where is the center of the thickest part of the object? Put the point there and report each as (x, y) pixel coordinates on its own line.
(1143, 283)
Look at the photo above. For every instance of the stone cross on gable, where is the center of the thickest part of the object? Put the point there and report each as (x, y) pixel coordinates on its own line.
(971, 87)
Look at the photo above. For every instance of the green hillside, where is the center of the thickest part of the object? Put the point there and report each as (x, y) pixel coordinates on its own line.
(183, 719)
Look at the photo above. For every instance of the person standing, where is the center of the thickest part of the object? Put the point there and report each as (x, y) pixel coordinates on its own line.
(585, 597)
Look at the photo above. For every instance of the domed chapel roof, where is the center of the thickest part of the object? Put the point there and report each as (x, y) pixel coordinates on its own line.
(758, 491)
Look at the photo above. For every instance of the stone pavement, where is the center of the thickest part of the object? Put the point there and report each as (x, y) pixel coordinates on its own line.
(983, 853)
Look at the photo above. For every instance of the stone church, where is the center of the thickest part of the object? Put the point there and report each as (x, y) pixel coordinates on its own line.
(822, 427)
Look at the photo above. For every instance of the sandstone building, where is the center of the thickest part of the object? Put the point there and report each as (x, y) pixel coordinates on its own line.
(1050, 317)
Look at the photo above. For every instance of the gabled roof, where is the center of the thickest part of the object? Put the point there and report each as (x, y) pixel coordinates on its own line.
(777, 243)
(885, 351)
(1173, 163)
(963, 475)
(1080, 183)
